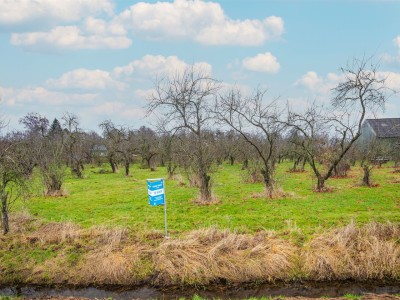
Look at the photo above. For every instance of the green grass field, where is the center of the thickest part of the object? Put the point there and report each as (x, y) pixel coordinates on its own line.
(114, 200)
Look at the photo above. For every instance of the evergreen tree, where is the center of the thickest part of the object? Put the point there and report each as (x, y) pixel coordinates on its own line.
(55, 128)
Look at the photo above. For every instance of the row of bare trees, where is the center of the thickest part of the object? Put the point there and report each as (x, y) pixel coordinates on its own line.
(192, 103)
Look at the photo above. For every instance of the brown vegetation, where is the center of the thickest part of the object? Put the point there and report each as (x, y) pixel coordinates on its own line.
(211, 255)
(65, 253)
(365, 253)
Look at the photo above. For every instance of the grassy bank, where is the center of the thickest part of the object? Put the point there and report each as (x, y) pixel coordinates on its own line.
(65, 253)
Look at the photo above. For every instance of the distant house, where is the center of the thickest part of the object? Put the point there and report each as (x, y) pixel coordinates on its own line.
(383, 129)
(99, 150)
(386, 131)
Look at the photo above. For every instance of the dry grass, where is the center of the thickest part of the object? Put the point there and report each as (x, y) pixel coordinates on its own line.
(211, 255)
(59, 193)
(100, 255)
(54, 233)
(88, 256)
(365, 253)
(21, 222)
(117, 266)
(200, 201)
(275, 193)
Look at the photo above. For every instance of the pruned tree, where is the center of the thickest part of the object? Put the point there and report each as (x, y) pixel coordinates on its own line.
(361, 91)
(31, 140)
(295, 151)
(74, 143)
(35, 123)
(257, 123)
(111, 137)
(121, 144)
(147, 144)
(51, 164)
(184, 101)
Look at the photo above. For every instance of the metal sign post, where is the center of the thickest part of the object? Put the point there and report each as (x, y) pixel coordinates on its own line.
(156, 191)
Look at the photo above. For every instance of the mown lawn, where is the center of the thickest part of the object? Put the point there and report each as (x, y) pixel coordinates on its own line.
(115, 200)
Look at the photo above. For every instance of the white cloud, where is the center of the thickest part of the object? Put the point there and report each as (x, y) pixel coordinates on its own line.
(152, 65)
(392, 80)
(393, 58)
(85, 79)
(119, 109)
(144, 93)
(203, 22)
(263, 62)
(396, 41)
(319, 85)
(68, 37)
(40, 95)
(27, 12)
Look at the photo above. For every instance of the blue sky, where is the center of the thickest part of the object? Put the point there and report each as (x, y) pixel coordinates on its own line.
(99, 58)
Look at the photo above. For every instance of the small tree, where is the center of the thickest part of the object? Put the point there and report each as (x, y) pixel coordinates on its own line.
(257, 123)
(184, 102)
(74, 144)
(147, 144)
(51, 165)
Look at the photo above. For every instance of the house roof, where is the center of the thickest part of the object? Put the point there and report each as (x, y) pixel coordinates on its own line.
(385, 128)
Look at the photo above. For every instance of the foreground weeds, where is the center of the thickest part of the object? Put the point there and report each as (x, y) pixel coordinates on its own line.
(366, 253)
(65, 253)
(208, 255)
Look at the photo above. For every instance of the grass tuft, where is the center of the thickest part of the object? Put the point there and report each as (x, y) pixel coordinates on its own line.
(210, 255)
(358, 253)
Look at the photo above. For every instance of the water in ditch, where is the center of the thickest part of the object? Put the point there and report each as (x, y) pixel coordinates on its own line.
(312, 290)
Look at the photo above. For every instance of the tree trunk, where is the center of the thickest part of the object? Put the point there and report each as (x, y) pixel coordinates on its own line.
(268, 182)
(77, 170)
(367, 175)
(113, 165)
(171, 170)
(205, 189)
(146, 163)
(245, 164)
(127, 165)
(303, 165)
(4, 213)
(231, 160)
(320, 184)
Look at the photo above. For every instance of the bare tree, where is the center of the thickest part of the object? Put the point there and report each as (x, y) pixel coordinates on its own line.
(361, 91)
(74, 144)
(31, 140)
(184, 102)
(111, 138)
(120, 142)
(257, 123)
(12, 179)
(52, 164)
(147, 144)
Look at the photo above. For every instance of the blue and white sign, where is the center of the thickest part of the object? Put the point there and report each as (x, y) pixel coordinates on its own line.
(156, 191)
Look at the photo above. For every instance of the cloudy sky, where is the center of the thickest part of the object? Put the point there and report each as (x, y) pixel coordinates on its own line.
(99, 58)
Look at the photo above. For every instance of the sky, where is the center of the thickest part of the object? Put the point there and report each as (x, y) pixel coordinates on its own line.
(99, 59)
